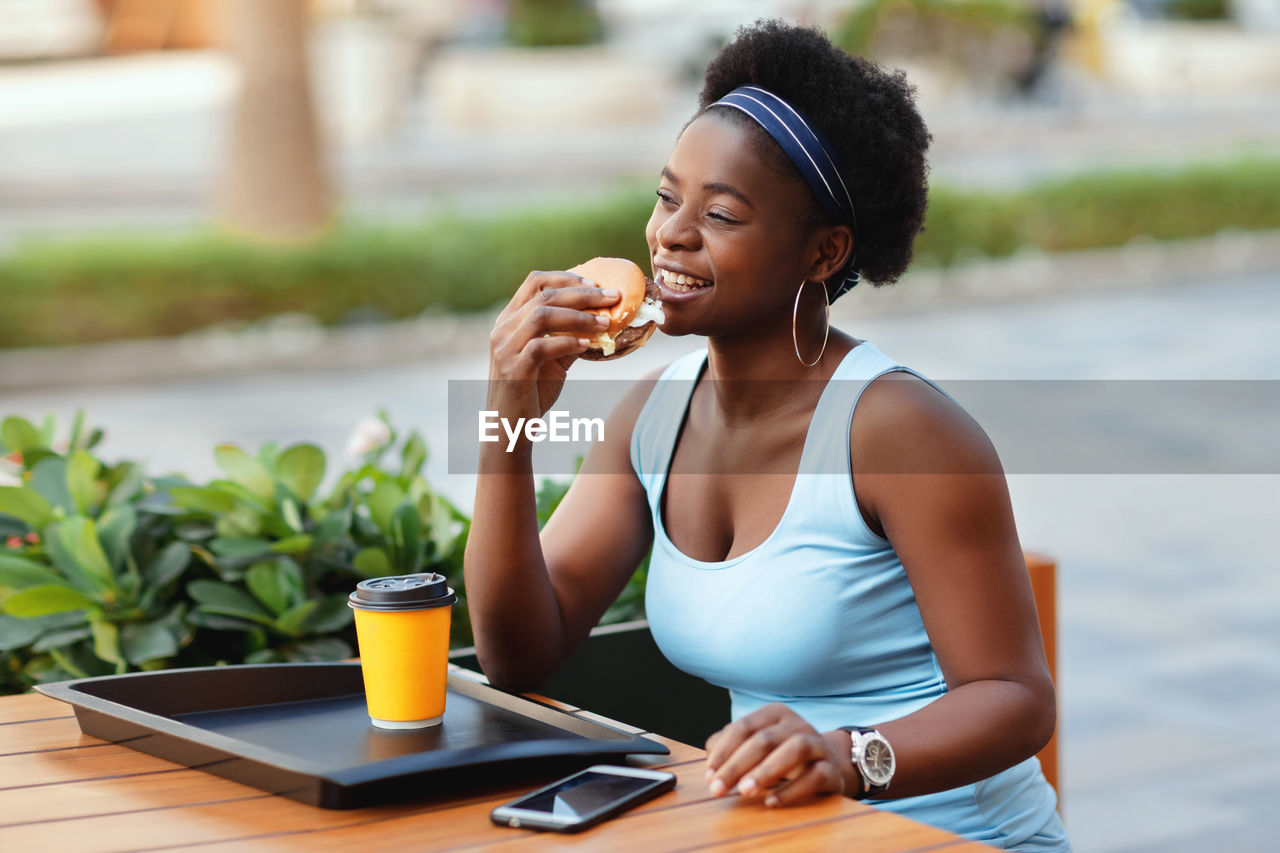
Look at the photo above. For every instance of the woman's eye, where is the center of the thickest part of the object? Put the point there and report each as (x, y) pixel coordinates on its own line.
(666, 197)
(722, 217)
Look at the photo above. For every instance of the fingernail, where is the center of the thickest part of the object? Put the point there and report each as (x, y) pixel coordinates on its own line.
(610, 293)
(717, 788)
(710, 772)
(583, 342)
(771, 801)
(747, 787)
(602, 320)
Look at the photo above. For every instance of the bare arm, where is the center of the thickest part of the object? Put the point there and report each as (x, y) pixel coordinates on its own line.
(532, 599)
(934, 483)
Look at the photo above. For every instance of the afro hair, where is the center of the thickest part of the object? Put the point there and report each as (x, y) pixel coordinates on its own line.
(868, 114)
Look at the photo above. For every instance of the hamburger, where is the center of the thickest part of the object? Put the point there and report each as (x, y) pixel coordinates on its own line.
(636, 315)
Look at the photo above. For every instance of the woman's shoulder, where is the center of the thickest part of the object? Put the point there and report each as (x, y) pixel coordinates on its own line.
(904, 423)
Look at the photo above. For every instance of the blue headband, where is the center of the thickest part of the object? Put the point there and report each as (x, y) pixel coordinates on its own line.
(809, 152)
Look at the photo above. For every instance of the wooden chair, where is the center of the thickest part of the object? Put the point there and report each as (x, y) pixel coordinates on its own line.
(1044, 585)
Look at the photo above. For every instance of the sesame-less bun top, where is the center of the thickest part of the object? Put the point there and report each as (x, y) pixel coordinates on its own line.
(623, 276)
(628, 279)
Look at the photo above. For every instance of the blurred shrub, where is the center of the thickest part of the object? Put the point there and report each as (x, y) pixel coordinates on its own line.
(107, 289)
(552, 23)
(991, 40)
(60, 293)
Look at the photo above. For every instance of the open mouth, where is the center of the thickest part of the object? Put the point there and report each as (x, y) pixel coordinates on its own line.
(679, 282)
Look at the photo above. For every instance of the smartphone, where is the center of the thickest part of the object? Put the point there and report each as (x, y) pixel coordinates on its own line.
(584, 799)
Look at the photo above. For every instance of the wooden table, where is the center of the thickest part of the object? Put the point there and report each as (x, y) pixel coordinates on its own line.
(61, 790)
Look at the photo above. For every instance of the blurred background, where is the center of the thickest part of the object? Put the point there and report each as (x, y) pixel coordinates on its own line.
(259, 221)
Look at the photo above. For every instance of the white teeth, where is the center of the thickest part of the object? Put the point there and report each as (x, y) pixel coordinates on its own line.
(682, 283)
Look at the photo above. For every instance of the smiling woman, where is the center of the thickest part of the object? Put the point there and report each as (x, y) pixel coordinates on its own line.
(832, 538)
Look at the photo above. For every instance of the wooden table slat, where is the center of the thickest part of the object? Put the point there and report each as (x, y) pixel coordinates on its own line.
(881, 832)
(32, 706)
(88, 762)
(35, 735)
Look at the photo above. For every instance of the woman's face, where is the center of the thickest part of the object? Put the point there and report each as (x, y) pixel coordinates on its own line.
(725, 239)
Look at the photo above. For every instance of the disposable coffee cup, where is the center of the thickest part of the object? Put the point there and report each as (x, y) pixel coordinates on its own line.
(402, 627)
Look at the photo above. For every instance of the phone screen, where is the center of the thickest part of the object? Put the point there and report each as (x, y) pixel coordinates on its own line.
(584, 794)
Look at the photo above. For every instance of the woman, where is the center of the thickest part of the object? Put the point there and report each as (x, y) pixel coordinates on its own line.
(840, 553)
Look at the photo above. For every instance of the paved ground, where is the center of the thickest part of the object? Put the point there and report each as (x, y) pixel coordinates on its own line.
(1169, 668)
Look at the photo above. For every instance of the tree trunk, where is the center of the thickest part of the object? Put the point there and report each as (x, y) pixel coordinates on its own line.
(277, 187)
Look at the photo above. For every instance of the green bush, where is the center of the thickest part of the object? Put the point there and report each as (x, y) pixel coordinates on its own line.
(107, 289)
(105, 570)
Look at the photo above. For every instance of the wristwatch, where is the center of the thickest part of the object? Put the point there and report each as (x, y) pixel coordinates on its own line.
(873, 757)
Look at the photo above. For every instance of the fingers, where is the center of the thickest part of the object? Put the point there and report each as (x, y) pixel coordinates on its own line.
(772, 753)
(818, 778)
(547, 305)
(539, 284)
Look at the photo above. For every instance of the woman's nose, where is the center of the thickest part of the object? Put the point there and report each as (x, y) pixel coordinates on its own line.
(677, 232)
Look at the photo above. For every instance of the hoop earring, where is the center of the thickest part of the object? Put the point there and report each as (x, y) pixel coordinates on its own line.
(795, 313)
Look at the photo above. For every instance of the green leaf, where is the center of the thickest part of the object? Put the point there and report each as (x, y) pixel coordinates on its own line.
(412, 457)
(243, 496)
(383, 501)
(301, 468)
(333, 528)
(276, 583)
(227, 600)
(240, 547)
(49, 478)
(144, 641)
(372, 563)
(331, 615)
(218, 622)
(18, 572)
(26, 505)
(168, 565)
(77, 430)
(19, 434)
(61, 637)
(106, 642)
(211, 501)
(74, 548)
(406, 540)
(290, 514)
(245, 470)
(292, 545)
(130, 479)
(115, 531)
(15, 632)
(269, 455)
(319, 649)
(291, 621)
(82, 480)
(46, 599)
(263, 656)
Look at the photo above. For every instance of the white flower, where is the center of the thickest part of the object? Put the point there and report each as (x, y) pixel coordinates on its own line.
(368, 434)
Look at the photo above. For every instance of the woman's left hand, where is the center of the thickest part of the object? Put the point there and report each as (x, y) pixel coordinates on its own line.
(774, 753)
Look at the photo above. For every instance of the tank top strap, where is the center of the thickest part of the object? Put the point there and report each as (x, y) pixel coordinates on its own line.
(657, 427)
(826, 448)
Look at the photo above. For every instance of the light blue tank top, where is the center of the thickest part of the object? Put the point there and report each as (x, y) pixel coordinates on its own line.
(820, 616)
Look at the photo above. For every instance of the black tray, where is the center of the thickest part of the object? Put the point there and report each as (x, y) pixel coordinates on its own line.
(302, 730)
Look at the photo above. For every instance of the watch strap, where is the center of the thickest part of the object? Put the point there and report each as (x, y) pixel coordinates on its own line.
(869, 791)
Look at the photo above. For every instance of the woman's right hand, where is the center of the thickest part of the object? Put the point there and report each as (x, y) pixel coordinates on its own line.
(543, 329)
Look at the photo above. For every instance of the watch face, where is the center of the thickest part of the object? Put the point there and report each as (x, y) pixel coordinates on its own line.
(877, 761)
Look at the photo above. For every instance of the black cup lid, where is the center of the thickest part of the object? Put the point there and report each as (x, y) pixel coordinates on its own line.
(403, 592)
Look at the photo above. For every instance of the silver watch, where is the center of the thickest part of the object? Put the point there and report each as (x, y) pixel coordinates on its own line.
(873, 756)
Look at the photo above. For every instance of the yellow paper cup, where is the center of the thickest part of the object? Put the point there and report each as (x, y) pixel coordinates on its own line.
(402, 627)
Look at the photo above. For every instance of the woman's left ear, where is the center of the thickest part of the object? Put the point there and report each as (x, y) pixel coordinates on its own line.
(835, 244)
